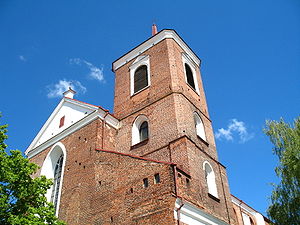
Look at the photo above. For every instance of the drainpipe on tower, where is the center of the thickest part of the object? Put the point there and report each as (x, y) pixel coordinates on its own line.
(178, 210)
(103, 127)
(177, 196)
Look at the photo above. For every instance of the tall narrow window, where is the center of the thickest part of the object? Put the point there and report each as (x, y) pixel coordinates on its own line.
(56, 181)
(210, 179)
(53, 168)
(144, 131)
(145, 182)
(140, 78)
(156, 178)
(199, 126)
(189, 76)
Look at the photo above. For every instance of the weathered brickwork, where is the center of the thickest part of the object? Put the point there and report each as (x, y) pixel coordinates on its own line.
(124, 103)
(79, 145)
(122, 195)
(108, 180)
(169, 104)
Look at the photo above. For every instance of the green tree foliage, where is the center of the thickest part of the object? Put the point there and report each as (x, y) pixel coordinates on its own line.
(22, 198)
(285, 199)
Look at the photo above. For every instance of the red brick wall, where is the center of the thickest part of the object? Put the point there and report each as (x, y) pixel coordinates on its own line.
(97, 185)
(169, 104)
(192, 185)
(113, 196)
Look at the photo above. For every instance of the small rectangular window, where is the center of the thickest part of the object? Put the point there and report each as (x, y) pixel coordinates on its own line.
(156, 178)
(146, 183)
(62, 121)
(187, 182)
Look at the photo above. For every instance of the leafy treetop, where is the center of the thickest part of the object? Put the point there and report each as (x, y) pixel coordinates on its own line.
(285, 199)
(22, 198)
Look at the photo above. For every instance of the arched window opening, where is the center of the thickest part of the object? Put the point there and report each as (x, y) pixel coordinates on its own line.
(140, 129)
(210, 180)
(247, 219)
(199, 127)
(144, 131)
(140, 78)
(56, 181)
(53, 168)
(189, 76)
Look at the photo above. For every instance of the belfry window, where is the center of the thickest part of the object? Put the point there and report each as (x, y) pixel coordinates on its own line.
(190, 69)
(210, 179)
(139, 74)
(189, 76)
(143, 131)
(56, 181)
(140, 78)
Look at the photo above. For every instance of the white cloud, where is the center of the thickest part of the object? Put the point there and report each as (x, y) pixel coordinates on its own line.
(235, 128)
(57, 90)
(22, 58)
(95, 73)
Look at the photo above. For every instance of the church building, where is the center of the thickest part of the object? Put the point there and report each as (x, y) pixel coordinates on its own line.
(153, 160)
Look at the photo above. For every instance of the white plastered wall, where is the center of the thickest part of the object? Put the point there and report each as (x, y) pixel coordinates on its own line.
(72, 113)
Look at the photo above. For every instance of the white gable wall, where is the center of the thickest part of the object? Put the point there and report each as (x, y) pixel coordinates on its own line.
(77, 114)
(72, 113)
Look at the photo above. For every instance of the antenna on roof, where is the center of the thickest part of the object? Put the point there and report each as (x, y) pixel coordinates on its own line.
(154, 29)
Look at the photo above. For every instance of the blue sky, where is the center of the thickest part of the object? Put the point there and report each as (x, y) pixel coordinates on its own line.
(250, 53)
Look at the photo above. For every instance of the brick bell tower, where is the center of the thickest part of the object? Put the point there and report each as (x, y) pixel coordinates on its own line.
(161, 105)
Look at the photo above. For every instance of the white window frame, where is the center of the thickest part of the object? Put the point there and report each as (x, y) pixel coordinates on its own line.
(49, 166)
(187, 60)
(199, 125)
(210, 179)
(140, 61)
(136, 129)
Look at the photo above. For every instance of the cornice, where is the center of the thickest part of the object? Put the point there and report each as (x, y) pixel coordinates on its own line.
(243, 205)
(162, 35)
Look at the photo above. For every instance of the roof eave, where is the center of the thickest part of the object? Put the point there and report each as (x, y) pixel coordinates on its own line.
(144, 46)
